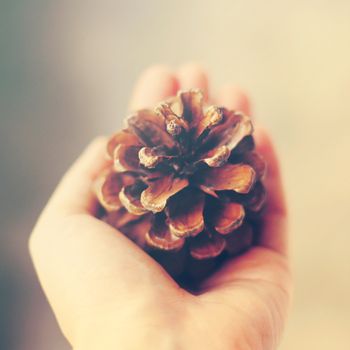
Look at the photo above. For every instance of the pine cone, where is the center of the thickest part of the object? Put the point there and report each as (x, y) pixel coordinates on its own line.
(185, 184)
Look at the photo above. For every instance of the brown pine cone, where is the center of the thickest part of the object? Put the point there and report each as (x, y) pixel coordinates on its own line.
(185, 184)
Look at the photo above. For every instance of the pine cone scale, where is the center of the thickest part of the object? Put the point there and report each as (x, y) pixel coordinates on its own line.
(107, 189)
(240, 240)
(192, 102)
(207, 245)
(227, 217)
(185, 213)
(149, 127)
(125, 158)
(130, 198)
(236, 177)
(159, 235)
(155, 197)
(123, 137)
(229, 132)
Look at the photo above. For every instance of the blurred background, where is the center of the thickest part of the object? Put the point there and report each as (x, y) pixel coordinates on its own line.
(66, 71)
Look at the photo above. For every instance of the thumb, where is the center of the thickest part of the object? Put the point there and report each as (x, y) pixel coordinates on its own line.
(85, 265)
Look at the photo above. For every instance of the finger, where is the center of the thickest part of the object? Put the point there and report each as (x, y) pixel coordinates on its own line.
(154, 85)
(274, 233)
(234, 98)
(192, 75)
(74, 194)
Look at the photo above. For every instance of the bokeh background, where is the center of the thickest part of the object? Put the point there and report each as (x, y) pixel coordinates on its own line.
(66, 71)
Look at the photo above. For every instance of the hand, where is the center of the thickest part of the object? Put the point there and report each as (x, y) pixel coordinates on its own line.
(108, 294)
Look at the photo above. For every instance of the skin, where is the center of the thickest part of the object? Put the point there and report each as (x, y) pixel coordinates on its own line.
(107, 293)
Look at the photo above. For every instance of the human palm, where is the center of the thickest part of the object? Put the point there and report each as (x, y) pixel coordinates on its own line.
(107, 293)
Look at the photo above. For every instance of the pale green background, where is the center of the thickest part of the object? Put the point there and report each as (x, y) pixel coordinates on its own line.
(66, 71)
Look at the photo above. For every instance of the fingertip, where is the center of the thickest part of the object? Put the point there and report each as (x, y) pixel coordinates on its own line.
(156, 83)
(194, 75)
(233, 97)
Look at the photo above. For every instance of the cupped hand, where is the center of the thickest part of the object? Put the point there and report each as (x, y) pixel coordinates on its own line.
(107, 293)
